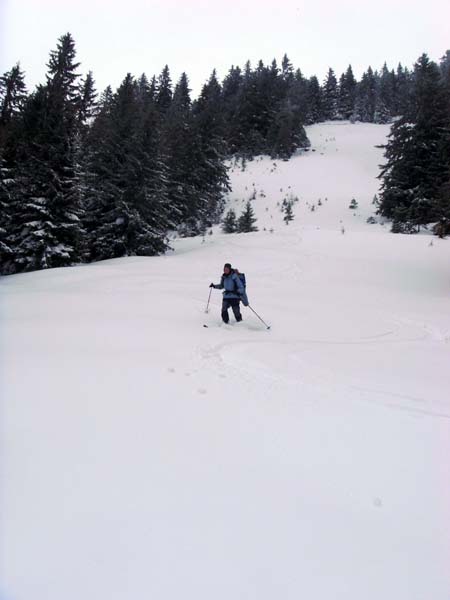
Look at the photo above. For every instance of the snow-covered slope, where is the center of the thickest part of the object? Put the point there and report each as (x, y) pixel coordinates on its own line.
(145, 456)
(342, 164)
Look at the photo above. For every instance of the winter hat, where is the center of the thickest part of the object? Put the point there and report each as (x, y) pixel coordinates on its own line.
(227, 265)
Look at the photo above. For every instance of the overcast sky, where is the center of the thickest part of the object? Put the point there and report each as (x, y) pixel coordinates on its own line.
(195, 36)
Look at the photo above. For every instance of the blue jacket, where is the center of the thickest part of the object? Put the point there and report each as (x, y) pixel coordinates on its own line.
(233, 287)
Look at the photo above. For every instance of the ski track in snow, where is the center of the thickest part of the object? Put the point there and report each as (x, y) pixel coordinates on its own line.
(146, 456)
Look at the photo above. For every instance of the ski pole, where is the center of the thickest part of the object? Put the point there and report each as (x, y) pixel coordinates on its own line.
(209, 298)
(262, 321)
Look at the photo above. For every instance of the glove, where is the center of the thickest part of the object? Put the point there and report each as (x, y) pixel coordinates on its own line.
(211, 285)
(244, 302)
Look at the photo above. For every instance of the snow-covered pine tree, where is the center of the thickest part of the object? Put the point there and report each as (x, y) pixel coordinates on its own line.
(164, 90)
(287, 133)
(250, 118)
(287, 71)
(347, 94)
(6, 185)
(231, 87)
(366, 96)
(152, 194)
(178, 147)
(272, 90)
(402, 91)
(385, 100)
(210, 152)
(13, 94)
(330, 96)
(315, 101)
(127, 205)
(417, 162)
(298, 96)
(247, 220)
(45, 229)
(87, 105)
(442, 227)
(229, 223)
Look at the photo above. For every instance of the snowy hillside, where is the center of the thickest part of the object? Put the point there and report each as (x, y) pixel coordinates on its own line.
(342, 164)
(146, 456)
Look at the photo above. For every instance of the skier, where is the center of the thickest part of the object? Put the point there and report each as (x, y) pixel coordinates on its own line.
(233, 294)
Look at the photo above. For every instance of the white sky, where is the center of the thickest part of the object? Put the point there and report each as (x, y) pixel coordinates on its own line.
(195, 36)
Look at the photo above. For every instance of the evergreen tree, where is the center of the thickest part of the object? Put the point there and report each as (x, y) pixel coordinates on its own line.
(385, 100)
(250, 118)
(417, 160)
(287, 74)
(298, 96)
(287, 133)
(330, 97)
(247, 220)
(366, 97)
(6, 183)
(347, 94)
(45, 227)
(179, 148)
(229, 223)
(164, 90)
(272, 89)
(230, 94)
(288, 213)
(315, 101)
(87, 105)
(442, 228)
(127, 204)
(402, 91)
(210, 169)
(13, 94)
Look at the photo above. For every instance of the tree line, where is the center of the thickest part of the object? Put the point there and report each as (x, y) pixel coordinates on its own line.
(86, 177)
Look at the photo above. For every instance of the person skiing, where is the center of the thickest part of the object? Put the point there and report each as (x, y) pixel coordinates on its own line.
(233, 294)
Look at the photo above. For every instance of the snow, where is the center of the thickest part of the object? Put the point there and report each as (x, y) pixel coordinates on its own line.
(145, 456)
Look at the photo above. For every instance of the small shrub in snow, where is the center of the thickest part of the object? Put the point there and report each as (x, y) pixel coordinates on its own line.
(288, 213)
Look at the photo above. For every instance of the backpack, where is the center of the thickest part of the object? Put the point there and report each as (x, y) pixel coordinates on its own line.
(241, 277)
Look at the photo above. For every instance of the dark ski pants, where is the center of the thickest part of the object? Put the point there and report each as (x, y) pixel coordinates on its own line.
(234, 304)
